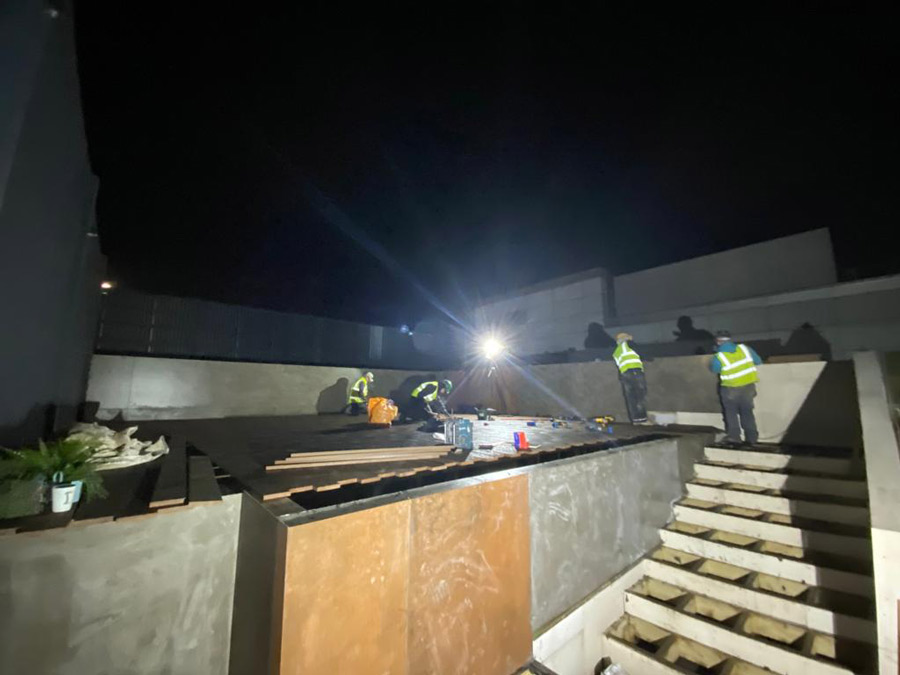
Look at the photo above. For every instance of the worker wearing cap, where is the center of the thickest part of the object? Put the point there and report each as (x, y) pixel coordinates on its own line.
(631, 375)
(359, 395)
(426, 397)
(735, 364)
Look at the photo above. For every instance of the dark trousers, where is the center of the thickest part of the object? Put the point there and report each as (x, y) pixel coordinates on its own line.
(355, 408)
(416, 409)
(737, 404)
(634, 388)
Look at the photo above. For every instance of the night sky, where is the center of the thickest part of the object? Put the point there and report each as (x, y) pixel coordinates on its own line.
(254, 156)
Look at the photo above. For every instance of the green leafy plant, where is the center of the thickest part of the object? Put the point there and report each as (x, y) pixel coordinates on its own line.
(71, 459)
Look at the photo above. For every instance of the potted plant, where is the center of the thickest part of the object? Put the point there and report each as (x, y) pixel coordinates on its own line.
(52, 464)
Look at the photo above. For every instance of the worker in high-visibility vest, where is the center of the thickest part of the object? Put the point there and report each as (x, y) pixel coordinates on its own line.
(631, 375)
(736, 365)
(426, 397)
(358, 398)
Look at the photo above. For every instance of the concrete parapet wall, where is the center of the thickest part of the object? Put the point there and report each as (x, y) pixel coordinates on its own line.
(144, 388)
(594, 516)
(882, 451)
(811, 403)
(147, 595)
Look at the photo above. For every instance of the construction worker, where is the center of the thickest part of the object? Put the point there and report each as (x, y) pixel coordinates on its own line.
(426, 397)
(631, 375)
(357, 400)
(735, 364)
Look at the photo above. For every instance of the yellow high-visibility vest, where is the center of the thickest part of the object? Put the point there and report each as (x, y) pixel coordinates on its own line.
(626, 358)
(428, 397)
(738, 369)
(360, 391)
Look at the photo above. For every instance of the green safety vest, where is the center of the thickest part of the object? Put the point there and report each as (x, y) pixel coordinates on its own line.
(626, 358)
(360, 391)
(738, 369)
(428, 397)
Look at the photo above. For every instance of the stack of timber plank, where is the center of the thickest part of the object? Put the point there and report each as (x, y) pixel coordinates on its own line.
(305, 460)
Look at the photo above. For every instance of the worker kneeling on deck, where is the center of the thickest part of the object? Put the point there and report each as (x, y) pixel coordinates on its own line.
(735, 364)
(631, 375)
(359, 395)
(427, 399)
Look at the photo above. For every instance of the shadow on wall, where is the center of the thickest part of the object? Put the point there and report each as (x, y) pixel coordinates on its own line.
(687, 332)
(597, 337)
(830, 411)
(807, 340)
(333, 399)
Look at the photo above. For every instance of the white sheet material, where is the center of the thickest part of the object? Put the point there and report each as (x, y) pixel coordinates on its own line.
(117, 449)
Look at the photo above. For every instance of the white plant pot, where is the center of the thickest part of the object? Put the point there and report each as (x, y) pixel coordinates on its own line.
(79, 484)
(63, 497)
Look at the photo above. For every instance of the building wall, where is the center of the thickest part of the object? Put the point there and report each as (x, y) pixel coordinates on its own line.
(141, 596)
(49, 260)
(594, 516)
(806, 403)
(137, 323)
(787, 264)
(549, 318)
(142, 388)
(849, 317)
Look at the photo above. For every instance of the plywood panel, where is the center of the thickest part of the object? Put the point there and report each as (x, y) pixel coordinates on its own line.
(345, 601)
(469, 592)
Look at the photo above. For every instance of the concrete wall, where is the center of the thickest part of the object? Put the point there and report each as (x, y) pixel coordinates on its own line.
(549, 317)
(142, 596)
(49, 262)
(881, 442)
(804, 403)
(849, 317)
(158, 388)
(592, 517)
(787, 264)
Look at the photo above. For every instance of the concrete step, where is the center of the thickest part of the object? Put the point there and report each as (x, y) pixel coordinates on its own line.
(815, 535)
(803, 505)
(840, 573)
(821, 610)
(774, 459)
(762, 640)
(642, 648)
(784, 480)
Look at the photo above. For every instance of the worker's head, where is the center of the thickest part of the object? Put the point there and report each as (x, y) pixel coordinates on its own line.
(370, 377)
(446, 386)
(623, 337)
(722, 337)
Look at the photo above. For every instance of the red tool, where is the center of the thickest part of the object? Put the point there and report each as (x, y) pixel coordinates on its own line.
(520, 441)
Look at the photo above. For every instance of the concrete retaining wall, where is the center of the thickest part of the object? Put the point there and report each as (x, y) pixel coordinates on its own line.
(592, 517)
(881, 441)
(810, 403)
(143, 388)
(144, 596)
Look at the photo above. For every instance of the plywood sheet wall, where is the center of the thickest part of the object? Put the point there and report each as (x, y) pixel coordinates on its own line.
(439, 584)
(470, 576)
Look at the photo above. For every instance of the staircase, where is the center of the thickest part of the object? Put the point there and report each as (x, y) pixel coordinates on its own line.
(765, 567)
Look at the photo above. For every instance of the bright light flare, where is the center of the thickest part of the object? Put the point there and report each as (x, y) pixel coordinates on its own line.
(491, 347)
(107, 285)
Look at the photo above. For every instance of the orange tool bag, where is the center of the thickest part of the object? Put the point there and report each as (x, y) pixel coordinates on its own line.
(382, 411)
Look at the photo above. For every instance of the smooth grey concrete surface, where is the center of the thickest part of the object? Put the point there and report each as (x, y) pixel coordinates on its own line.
(847, 317)
(811, 403)
(145, 596)
(258, 590)
(881, 445)
(549, 317)
(593, 516)
(49, 256)
(880, 441)
(786, 264)
(146, 388)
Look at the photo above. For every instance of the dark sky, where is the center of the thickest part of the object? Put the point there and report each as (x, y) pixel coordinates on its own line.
(480, 149)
